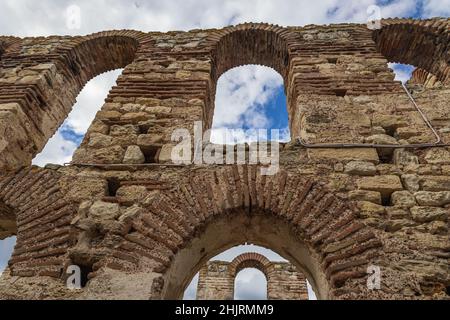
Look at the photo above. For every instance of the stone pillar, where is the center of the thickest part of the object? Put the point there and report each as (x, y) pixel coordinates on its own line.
(215, 282)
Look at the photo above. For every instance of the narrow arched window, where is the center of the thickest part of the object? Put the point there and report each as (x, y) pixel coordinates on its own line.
(250, 98)
(60, 148)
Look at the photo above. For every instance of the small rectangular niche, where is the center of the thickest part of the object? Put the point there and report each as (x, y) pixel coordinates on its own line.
(332, 60)
(143, 128)
(151, 153)
(113, 186)
(340, 92)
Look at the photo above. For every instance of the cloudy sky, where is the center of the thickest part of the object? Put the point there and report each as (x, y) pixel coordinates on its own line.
(247, 97)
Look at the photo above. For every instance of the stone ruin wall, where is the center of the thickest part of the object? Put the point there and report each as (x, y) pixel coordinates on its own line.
(141, 228)
(284, 282)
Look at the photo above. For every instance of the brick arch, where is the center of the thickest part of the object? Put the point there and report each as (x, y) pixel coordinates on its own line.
(175, 221)
(248, 44)
(41, 217)
(422, 43)
(423, 77)
(92, 55)
(250, 260)
(44, 98)
(269, 47)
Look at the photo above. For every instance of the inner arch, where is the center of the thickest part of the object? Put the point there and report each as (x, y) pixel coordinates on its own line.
(227, 231)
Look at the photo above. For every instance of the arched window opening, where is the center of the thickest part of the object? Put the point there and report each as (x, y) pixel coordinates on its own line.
(6, 250)
(248, 281)
(250, 284)
(60, 148)
(250, 106)
(418, 45)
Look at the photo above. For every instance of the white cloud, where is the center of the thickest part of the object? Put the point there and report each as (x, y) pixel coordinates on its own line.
(191, 291)
(436, 8)
(47, 17)
(402, 72)
(57, 151)
(241, 95)
(250, 284)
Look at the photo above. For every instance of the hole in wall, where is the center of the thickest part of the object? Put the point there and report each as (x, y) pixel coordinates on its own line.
(332, 60)
(385, 155)
(113, 186)
(403, 72)
(340, 92)
(85, 271)
(151, 154)
(386, 200)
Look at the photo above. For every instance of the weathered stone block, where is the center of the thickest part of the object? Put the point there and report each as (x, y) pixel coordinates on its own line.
(134, 155)
(428, 214)
(108, 115)
(360, 168)
(104, 211)
(135, 117)
(403, 199)
(165, 155)
(411, 182)
(402, 157)
(389, 122)
(381, 139)
(148, 140)
(131, 193)
(438, 156)
(369, 209)
(364, 195)
(128, 129)
(386, 185)
(98, 140)
(434, 199)
(435, 183)
(344, 155)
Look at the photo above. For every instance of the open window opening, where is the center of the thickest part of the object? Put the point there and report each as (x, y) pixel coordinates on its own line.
(60, 148)
(250, 106)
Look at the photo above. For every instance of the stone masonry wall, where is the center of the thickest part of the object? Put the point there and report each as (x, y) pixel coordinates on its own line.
(141, 227)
